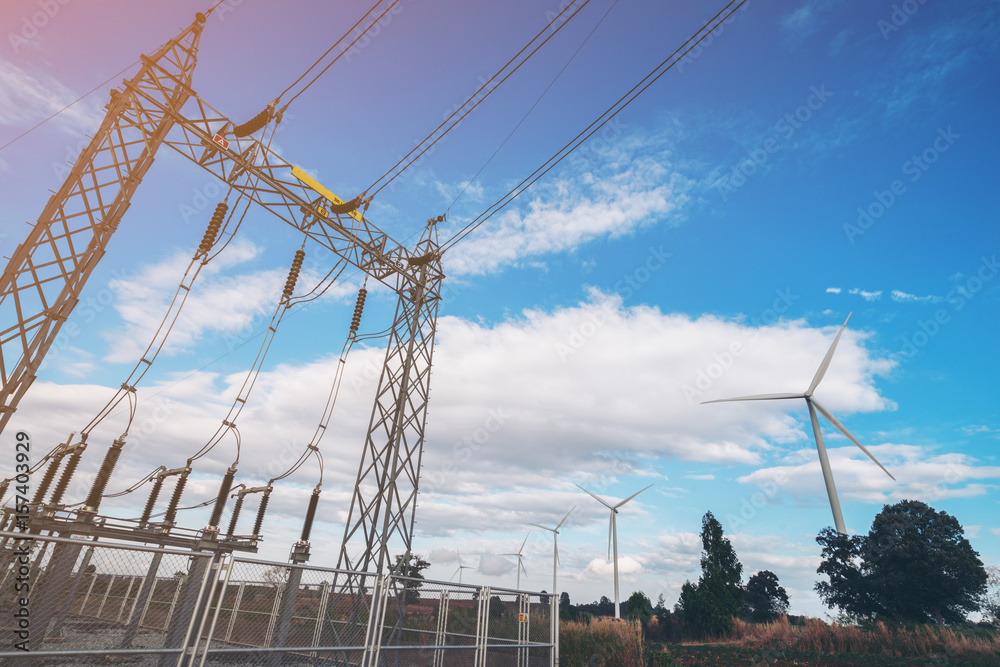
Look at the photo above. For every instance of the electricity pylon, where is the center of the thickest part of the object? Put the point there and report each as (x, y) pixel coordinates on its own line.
(44, 278)
(47, 272)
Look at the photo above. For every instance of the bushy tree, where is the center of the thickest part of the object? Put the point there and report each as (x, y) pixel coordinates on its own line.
(913, 565)
(639, 607)
(709, 606)
(991, 604)
(410, 565)
(763, 598)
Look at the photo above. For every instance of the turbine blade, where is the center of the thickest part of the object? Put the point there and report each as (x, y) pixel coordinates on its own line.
(840, 427)
(821, 371)
(523, 568)
(523, 543)
(555, 546)
(756, 397)
(631, 497)
(566, 517)
(597, 498)
(542, 527)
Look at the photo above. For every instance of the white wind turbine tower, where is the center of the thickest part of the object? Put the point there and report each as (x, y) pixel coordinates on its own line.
(613, 533)
(555, 595)
(461, 567)
(520, 556)
(555, 546)
(815, 406)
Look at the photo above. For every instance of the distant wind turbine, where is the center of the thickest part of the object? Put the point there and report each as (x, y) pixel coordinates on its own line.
(815, 406)
(555, 594)
(613, 533)
(461, 567)
(520, 556)
(555, 546)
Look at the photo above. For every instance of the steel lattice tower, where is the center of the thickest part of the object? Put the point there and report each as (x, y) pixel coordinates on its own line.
(44, 277)
(43, 280)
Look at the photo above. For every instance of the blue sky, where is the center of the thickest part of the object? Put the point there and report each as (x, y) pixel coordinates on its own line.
(809, 161)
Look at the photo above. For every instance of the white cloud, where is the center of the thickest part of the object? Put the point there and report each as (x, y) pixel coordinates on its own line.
(920, 474)
(495, 566)
(225, 303)
(700, 477)
(611, 403)
(995, 531)
(26, 99)
(867, 296)
(635, 184)
(833, 290)
(903, 297)
(603, 568)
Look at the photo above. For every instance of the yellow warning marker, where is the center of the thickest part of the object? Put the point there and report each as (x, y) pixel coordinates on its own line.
(321, 189)
(522, 618)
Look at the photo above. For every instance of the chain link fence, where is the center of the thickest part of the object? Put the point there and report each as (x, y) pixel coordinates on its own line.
(97, 603)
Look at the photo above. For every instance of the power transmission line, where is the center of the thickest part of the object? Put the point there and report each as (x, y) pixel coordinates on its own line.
(598, 123)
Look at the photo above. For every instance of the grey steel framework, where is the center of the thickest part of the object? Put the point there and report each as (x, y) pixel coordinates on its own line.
(44, 277)
(155, 606)
(46, 274)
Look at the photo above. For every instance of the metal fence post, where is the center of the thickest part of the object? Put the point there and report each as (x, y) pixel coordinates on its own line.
(441, 636)
(273, 616)
(284, 618)
(215, 618)
(554, 604)
(93, 579)
(145, 593)
(104, 600)
(235, 610)
(523, 628)
(373, 634)
(74, 587)
(482, 626)
(324, 596)
(173, 602)
(128, 591)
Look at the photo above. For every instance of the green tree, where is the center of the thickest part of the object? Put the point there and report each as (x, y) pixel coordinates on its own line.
(411, 566)
(764, 599)
(915, 564)
(991, 605)
(639, 608)
(710, 605)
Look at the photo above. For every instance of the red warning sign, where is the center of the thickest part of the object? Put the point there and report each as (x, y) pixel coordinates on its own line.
(220, 140)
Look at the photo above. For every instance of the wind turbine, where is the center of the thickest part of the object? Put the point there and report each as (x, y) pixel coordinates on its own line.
(815, 406)
(555, 561)
(461, 567)
(520, 556)
(613, 533)
(555, 546)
